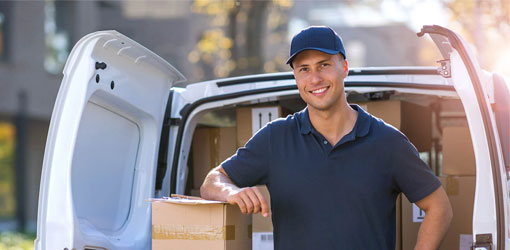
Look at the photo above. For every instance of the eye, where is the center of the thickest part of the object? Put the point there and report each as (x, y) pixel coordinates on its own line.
(324, 65)
(303, 69)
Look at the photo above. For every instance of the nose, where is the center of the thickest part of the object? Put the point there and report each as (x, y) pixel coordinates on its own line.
(315, 77)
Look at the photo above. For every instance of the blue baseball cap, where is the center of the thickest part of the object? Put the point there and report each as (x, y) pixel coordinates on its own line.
(319, 38)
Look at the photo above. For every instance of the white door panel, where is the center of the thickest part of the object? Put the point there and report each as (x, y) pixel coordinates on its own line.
(470, 82)
(102, 148)
(484, 220)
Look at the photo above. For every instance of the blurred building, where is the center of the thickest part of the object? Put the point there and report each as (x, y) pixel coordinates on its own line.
(35, 40)
(37, 36)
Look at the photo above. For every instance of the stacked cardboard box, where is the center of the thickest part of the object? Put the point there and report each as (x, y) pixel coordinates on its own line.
(211, 146)
(459, 181)
(263, 226)
(199, 224)
(413, 120)
(410, 223)
(459, 169)
(458, 154)
(460, 191)
(249, 121)
(261, 223)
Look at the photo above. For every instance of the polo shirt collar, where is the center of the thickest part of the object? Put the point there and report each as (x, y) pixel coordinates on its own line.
(305, 126)
(361, 127)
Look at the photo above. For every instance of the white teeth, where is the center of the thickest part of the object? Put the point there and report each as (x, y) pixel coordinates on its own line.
(317, 91)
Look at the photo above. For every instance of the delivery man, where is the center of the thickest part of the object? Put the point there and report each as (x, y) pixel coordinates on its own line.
(333, 170)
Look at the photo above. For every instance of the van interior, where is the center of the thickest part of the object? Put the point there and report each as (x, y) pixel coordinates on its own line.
(435, 124)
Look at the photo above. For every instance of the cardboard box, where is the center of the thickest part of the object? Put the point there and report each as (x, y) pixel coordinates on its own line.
(199, 224)
(458, 154)
(460, 191)
(211, 146)
(263, 227)
(251, 119)
(413, 120)
(261, 223)
(410, 224)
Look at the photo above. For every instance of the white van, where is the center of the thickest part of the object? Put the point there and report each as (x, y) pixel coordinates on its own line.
(121, 134)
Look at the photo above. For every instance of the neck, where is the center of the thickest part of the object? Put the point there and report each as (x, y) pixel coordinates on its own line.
(335, 123)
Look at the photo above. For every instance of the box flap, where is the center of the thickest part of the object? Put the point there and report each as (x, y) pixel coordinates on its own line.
(187, 201)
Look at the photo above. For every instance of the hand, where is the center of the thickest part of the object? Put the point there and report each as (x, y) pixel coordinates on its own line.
(250, 200)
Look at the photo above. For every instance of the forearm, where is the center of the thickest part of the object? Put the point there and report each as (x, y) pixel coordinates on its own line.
(217, 186)
(433, 229)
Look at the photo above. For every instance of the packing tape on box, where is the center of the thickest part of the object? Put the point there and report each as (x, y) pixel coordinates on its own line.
(193, 232)
(452, 186)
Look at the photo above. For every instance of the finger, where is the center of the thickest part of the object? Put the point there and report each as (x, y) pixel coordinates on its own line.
(263, 203)
(254, 199)
(242, 206)
(247, 201)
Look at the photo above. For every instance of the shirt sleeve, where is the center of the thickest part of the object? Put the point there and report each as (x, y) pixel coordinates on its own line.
(249, 166)
(411, 175)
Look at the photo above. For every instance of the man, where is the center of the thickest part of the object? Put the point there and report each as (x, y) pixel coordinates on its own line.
(333, 170)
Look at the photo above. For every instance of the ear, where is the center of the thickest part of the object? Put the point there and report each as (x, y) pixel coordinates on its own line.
(346, 68)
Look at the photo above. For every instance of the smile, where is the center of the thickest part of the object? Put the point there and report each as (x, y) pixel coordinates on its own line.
(319, 91)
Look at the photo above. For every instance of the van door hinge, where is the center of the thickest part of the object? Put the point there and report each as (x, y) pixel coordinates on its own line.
(483, 242)
(445, 70)
(173, 122)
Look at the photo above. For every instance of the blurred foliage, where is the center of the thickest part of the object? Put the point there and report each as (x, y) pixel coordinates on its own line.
(241, 37)
(485, 24)
(7, 199)
(16, 241)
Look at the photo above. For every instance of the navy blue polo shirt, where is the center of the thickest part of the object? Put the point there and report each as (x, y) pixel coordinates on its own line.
(332, 196)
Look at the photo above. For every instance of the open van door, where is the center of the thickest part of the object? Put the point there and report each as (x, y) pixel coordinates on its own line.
(101, 153)
(472, 85)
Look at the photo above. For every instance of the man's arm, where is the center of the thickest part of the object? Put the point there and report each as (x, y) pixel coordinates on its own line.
(438, 215)
(218, 186)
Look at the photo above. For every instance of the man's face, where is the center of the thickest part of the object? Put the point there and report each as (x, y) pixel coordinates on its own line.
(320, 78)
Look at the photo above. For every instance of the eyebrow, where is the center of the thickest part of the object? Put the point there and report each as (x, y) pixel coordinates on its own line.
(319, 62)
(323, 61)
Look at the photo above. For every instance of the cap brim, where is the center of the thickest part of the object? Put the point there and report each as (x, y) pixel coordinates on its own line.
(328, 51)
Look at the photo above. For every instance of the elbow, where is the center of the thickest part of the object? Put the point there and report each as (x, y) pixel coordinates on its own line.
(215, 185)
(203, 189)
(206, 185)
(440, 212)
(444, 214)
(202, 192)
